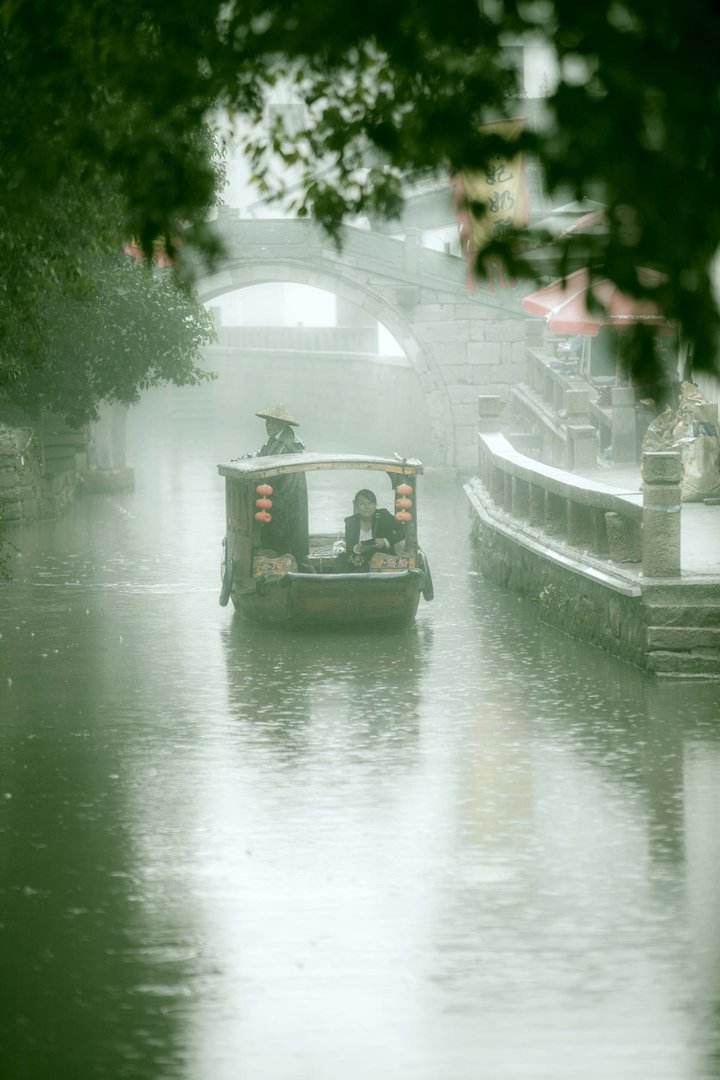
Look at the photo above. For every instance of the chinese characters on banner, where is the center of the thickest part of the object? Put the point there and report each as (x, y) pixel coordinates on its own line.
(501, 187)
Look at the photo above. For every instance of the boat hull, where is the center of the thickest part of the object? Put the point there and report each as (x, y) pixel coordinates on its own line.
(333, 600)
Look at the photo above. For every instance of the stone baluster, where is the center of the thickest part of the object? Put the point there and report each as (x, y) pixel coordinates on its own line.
(498, 486)
(599, 533)
(661, 473)
(579, 525)
(534, 373)
(536, 515)
(624, 437)
(555, 514)
(623, 538)
(507, 492)
(484, 463)
(520, 498)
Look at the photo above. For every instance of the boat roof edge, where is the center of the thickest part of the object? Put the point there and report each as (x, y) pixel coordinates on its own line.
(261, 467)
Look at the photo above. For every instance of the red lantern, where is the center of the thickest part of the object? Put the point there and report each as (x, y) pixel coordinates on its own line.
(403, 515)
(264, 490)
(263, 516)
(403, 503)
(403, 489)
(263, 504)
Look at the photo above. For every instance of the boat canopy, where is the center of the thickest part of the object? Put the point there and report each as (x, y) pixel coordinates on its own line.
(261, 468)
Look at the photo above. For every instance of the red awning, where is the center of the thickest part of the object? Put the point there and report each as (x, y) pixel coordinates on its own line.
(563, 304)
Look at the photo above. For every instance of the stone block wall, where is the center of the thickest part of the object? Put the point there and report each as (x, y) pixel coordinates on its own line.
(20, 475)
(568, 601)
(39, 479)
(478, 349)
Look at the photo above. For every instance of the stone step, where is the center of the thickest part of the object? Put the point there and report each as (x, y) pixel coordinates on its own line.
(702, 613)
(685, 638)
(699, 662)
(683, 592)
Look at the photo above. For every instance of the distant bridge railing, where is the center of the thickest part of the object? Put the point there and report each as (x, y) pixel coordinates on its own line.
(332, 339)
(402, 260)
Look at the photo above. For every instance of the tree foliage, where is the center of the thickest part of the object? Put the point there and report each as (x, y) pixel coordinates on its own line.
(80, 322)
(135, 329)
(116, 97)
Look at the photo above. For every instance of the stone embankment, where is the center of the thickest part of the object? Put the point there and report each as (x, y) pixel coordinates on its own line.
(20, 475)
(40, 471)
(605, 564)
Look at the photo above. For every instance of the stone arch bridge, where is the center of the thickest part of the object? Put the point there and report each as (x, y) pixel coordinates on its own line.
(460, 343)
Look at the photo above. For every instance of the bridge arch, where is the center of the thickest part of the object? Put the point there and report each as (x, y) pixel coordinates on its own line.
(460, 344)
(241, 273)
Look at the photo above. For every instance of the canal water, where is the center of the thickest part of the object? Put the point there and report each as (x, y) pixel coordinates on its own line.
(471, 849)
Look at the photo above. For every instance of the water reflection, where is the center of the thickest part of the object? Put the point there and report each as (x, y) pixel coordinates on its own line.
(94, 978)
(336, 693)
(471, 848)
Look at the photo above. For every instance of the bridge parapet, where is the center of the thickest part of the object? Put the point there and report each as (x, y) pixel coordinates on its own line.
(401, 259)
(459, 343)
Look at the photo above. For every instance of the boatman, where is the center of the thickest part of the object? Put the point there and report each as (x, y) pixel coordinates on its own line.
(288, 530)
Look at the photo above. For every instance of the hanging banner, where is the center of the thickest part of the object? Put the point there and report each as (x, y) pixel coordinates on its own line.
(501, 186)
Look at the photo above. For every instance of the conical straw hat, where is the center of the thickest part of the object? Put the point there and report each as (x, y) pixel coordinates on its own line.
(278, 412)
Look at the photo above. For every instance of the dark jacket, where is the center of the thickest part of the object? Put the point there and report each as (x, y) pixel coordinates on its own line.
(284, 442)
(288, 530)
(384, 526)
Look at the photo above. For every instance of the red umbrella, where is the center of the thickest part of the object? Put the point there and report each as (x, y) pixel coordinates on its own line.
(563, 304)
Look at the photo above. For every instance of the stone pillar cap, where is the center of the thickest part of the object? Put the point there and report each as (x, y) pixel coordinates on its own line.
(490, 405)
(662, 467)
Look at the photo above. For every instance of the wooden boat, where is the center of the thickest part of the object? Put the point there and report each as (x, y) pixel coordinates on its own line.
(271, 587)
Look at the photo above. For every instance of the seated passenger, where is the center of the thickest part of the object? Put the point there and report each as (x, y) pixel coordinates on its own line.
(369, 530)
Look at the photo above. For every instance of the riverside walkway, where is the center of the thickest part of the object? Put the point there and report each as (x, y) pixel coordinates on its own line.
(611, 558)
(700, 524)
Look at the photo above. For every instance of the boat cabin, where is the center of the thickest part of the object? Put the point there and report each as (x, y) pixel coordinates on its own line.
(320, 577)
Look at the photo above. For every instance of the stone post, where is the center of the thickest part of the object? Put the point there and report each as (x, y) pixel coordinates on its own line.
(118, 435)
(108, 469)
(624, 437)
(661, 473)
(100, 448)
(577, 405)
(582, 446)
(490, 410)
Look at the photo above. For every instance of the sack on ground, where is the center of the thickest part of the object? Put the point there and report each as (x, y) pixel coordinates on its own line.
(701, 468)
(693, 430)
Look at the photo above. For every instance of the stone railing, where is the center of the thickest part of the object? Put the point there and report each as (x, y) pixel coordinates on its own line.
(556, 405)
(563, 410)
(258, 240)
(603, 521)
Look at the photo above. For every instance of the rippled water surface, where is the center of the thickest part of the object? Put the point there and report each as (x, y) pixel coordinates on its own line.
(471, 849)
